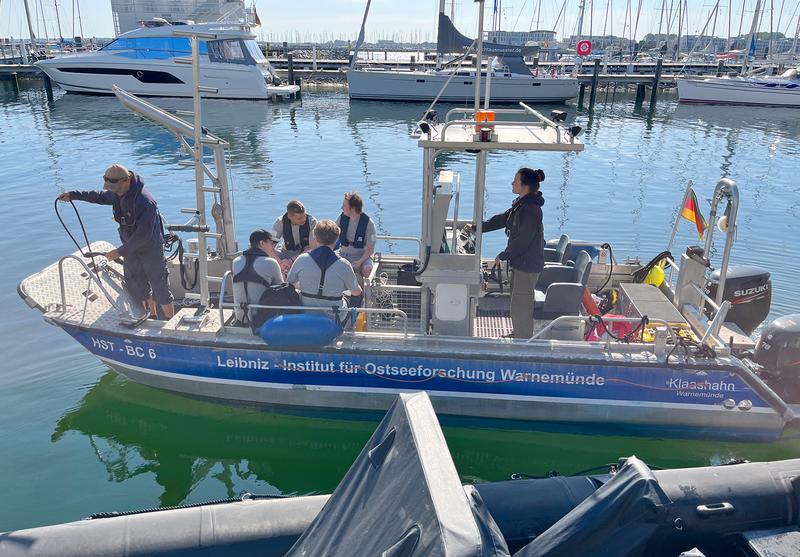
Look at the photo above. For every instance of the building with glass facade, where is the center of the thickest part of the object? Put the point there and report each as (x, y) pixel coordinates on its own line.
(128, 14)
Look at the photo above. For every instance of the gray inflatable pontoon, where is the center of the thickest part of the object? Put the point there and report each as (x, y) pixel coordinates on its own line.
(403, 497)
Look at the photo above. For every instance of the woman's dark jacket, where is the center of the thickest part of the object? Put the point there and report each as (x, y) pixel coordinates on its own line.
(523, 224)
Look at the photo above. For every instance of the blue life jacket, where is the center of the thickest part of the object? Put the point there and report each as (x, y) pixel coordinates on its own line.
(360, 239)
(288, 236)
(324, 257)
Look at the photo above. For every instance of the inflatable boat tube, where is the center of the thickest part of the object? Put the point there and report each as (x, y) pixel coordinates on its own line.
(300, 330)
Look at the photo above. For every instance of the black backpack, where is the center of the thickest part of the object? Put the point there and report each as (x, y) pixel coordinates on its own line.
(278, 295)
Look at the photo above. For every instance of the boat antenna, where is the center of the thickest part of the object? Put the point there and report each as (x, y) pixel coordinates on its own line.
(479, 58)
(360, 39)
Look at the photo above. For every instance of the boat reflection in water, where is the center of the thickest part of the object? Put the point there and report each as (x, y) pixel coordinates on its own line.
(196, 449)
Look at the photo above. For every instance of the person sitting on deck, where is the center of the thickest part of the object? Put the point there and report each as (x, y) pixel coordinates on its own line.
(253, 272)
(322, 277)
(295, 227)
(357, 237)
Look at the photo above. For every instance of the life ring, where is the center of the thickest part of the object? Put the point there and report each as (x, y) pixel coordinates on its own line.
(139, 74)
(553, 72)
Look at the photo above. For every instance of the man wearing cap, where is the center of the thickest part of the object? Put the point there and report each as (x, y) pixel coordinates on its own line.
(253, 272)
(141, 234)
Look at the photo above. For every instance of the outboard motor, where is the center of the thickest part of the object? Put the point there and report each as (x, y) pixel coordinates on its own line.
(778, 352)
(749, 290)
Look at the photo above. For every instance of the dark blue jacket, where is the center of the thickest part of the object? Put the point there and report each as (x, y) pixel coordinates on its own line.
(523, 224)
(137, 214)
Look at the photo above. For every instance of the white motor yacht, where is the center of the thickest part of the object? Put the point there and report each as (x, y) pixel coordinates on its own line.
(147, 62)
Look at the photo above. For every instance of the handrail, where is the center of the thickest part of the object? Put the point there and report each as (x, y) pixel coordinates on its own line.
(714, 326)
(512, 123)
(400, 238)
(222, 304)
(92, 276)
(584, 318)
(544, 119)
(705, 297)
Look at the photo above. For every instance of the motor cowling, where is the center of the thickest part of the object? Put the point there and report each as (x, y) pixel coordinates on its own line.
(749, 290)
(778, 352)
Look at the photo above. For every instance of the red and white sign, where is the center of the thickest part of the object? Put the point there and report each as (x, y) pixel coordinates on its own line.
(584, 48)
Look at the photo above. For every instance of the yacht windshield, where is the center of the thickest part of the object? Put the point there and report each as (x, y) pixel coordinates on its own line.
(254, 50)
(153, 48)
(230, 51)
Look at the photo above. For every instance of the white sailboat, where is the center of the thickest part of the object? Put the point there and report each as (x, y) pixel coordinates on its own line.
(744, 89)
(512, 81)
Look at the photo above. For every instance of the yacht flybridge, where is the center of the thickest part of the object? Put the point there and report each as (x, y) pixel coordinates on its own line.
(156, 61)
(673, 357)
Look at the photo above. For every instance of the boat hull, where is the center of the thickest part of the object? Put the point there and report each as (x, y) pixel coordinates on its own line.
(424, 86)
(97, 75)
(739, 91)
(623, 398)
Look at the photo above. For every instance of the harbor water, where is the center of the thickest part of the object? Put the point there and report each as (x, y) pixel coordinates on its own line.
(78, 439)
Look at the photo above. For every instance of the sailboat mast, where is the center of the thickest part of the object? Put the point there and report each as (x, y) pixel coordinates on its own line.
(58, 21)
(750, 36)
(680, 29)
(581, 10)
(30, 23)
(361, 36)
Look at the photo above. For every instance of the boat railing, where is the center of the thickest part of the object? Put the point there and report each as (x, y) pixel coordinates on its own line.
(400, 239)
(525, 110)
(93, 276)
(564, 319)
(710, 329)
(222, 304)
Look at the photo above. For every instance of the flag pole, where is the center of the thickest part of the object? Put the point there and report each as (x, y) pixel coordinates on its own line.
(686, 195)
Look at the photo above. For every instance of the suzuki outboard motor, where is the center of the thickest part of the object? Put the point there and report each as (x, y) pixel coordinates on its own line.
(749, 290)
(778, 352)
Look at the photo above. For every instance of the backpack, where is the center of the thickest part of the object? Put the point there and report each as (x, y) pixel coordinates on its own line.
(278, 295)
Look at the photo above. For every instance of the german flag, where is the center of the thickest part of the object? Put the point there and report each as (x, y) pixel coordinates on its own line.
(691, 212)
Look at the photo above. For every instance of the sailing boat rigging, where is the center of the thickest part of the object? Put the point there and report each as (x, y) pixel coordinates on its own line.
(744, 89)
(512, 80)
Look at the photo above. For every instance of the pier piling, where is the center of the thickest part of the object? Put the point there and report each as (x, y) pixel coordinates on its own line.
(639, 94)
(656, 79)
(595, 75)
(720, 66)
(48, 87)
(290, 62)
(14, 82)
(413, 62)
(581, 94)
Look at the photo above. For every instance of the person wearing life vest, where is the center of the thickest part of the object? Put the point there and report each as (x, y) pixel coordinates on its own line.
(322, 277)
(295, 227)
(253, 272)
(525, 248)
(357, 237)
(141, 233)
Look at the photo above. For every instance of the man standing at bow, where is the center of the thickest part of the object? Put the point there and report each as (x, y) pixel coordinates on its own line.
(141, 234)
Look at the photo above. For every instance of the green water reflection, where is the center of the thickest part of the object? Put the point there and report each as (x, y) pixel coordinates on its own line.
(186, 443)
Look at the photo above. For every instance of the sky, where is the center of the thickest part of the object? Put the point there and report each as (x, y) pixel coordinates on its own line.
(317, 20)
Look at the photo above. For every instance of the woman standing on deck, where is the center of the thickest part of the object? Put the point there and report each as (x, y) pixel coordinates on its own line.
(525, 249)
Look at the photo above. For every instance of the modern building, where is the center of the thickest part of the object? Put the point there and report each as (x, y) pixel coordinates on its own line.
(537, 37)
(128, 14)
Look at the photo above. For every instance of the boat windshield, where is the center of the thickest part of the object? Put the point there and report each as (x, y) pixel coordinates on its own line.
(255, 51)
(153, 48)
(232, 51)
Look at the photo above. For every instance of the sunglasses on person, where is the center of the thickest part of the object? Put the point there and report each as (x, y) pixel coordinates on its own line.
(114, 180)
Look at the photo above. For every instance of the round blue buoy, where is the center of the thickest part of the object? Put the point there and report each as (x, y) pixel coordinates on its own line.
(299, 330)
